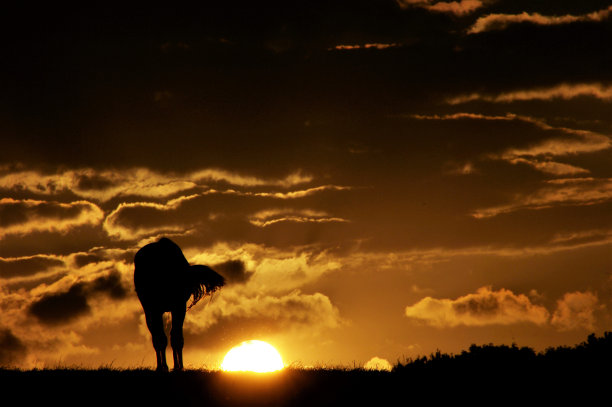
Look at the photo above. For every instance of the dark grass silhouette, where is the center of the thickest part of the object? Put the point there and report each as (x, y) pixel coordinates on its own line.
(164, 281)
(483, 375)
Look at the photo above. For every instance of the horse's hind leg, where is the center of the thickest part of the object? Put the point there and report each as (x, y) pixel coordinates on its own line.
(155, 323)
(176, 336)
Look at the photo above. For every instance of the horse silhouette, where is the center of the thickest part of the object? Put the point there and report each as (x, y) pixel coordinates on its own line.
(164, 281)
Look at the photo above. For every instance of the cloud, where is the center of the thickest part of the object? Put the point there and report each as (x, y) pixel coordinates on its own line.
(234, 316)
(458, 8)
(60, 308)
(574, 192)
(274, 271)
(564, 91)
(300, 193)
(23, 216)
(344, 47)
(576, 311)
(234, 271)
(51, 338)
(485, 307)
(502, 21)
(28, 265)
(582, 236)
(56, 308)
(377, 363)
(295, 308)
(138, 219)
(550, 167)
(579, 142)
(272, 216)
(539, 155)
(12, 349)
(104, 185)
(462, 115)
(232, 178)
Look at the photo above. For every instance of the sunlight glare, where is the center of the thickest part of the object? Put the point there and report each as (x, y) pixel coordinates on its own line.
(252, 356)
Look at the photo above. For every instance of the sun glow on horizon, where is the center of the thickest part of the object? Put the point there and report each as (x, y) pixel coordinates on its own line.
(252, 356)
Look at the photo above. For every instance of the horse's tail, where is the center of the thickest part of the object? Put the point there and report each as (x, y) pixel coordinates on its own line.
(203, 281)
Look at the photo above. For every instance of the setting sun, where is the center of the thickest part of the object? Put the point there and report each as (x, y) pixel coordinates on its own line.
(252, 356)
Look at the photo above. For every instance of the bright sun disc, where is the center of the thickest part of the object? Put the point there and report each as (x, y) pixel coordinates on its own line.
(252, 356)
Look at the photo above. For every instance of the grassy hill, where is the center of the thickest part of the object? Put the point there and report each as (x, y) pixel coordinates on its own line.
(482, 375)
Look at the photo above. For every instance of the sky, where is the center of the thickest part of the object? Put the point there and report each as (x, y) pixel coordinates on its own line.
(375, 179)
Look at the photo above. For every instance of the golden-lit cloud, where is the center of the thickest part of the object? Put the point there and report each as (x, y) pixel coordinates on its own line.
(563, 91)
(103, 185)
(272, 216)
(28, 265)
(300, 193)
(235, 317)
(485, 307)
(23, 216)
(100, 185)
(576, 311)
(539, 155)
(232, 178)
(459, 8)
(501, 21)
(462, 115)
(374, 45)
(549, 167)
(582, 142)
(583, 235)
(274, 271)
(51, 318)
(310, 310)
(138, 219)
(578, 191)
(12, 349)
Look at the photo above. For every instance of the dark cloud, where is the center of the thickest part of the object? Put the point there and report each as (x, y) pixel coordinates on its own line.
(12, 213)
(485, 307)
(234, 271)
(109, 284)
(61, 308)
(26, 266)
(12, 349)
(80, 239)
(93, 182)
(65, 307)
(84, 259)
(479, 306)
(19, 217)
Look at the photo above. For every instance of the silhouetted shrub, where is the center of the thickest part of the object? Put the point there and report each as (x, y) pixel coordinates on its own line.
(506, 361)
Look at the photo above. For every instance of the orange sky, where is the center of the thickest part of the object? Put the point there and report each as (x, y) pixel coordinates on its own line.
(374, 179)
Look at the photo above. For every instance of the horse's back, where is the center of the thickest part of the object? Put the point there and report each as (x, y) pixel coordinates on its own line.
(159, 270)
